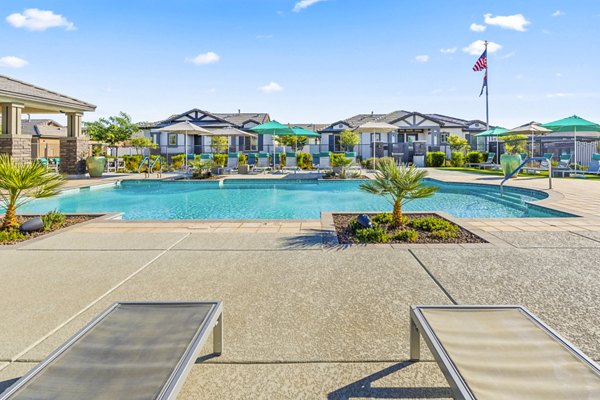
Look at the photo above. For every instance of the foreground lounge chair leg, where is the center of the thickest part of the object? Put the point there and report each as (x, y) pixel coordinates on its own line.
(218, 336)
(415, 342)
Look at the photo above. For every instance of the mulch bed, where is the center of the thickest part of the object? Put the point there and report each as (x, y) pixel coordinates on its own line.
(346, 236)
(69, 221)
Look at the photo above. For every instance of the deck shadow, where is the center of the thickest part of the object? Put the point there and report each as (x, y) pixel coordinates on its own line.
(4, 385)
(362, 388)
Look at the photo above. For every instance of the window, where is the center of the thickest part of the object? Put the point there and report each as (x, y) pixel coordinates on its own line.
(444, 137)
(172, 139)
(336, 143)
(155, 138)
(250, 144)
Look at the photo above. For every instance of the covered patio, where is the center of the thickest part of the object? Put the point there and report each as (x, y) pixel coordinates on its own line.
(18, 98)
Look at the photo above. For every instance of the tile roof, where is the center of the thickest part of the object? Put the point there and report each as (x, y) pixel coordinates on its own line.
(240, 118)
(26, 91)
(43, 127)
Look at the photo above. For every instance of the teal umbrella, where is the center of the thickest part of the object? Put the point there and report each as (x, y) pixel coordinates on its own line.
(278, 129)
(573, 124)
(299, 131)
(494, 132)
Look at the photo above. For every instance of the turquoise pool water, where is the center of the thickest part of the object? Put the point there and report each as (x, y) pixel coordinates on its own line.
(281, 199)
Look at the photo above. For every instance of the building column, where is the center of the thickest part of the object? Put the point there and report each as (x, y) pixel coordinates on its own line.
(12, 142)
(74, 148)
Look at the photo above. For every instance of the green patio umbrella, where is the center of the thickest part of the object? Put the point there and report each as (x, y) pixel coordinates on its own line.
(494, 132)
(573, 124)
(274, 128)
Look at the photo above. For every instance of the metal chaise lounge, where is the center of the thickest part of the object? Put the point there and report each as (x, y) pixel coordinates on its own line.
(291, 163)
(324, 161)
(262, 164)
(488, 163)
(502, 352)
(233, 160)
(130, 351)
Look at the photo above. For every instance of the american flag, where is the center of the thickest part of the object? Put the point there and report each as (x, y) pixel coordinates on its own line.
(481, 63)
(484, 83)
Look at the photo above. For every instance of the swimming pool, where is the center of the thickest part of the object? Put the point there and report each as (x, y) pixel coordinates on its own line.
(281, 199)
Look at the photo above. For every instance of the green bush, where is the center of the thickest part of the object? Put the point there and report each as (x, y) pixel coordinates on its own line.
(383, 218)
(220, 159)
(304, 160)
(177, 161)
(371, 235)
(335, 159)
(435, 158)
(132, 162)
(432, 224)
(484, 156)
(53, 220)
(406, 235)
(11, 236)
(474, 157)
(243, 159)
(445, 234)
(457, 159)
(579, 167)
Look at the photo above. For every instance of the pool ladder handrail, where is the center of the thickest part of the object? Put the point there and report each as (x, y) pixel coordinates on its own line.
(528, 159)
(159, 161)
(144, 160)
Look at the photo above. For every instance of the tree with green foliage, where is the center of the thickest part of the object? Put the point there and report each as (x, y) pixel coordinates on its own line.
(142, 142)
(514, 144)
(21, 182)
(295, 142)
(399, 185)
(457, 143)
(349, 139)
(219, 144)
(112, 130)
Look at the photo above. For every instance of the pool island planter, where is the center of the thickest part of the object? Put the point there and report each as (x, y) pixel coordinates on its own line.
(341, 225)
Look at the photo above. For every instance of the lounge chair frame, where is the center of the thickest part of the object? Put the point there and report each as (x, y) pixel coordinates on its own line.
(420, 327)
(213, 320)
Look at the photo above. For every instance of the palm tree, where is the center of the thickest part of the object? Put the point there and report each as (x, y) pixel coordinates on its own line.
(399, 185)
(21, 182)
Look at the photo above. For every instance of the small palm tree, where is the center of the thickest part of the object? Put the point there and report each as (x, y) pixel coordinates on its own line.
(21, 182)
(399, 185)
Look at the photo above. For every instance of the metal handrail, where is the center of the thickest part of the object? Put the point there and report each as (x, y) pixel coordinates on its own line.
(142, 163)
(528, 159)
(159, 160)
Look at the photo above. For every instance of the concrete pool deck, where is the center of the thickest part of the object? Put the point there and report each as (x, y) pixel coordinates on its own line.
(303, 319)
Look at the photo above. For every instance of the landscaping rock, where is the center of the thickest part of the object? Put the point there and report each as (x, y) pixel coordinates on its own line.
(33, 225)
(364, 220)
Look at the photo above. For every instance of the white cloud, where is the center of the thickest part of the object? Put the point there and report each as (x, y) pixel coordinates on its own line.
(204, 58)
(516, 22)
(423, 58)
(477, 47)
(271, 87)
(559, 95)
(449, 50)
(558, 13)
(12, 62)
(35, 19)
(477, 28)
(302, 4)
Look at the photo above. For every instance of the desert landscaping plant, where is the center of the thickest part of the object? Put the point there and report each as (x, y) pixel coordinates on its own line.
(21, 182)
(399, 185)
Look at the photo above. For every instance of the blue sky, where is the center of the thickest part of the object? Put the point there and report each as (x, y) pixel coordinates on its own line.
(309, 61)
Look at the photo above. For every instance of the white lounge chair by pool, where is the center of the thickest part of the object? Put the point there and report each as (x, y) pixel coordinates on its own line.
(291, 162)
(233, 160)
(502, 352)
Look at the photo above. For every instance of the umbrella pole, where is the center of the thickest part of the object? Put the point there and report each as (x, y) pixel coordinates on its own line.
(575, 144)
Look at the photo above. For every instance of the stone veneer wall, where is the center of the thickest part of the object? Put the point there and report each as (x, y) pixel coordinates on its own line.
(73, 152)
(18, 147)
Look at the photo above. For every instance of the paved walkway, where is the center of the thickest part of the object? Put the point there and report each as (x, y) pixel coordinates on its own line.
(303, 318)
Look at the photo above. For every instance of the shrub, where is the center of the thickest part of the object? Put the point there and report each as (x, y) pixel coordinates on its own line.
(132, 162)
(177, 161)
(383, 218)
(11, 236)
(444, 234)
(458, 144)
(336, 158)
(434, 224)
(371, 235)
(53, 220)
(406, 235)
(220, 159)
(243, 159)
(435, 158)
(304, 160)
(579, 167)
(353, 225)
(474, 157)
(457, 159)
(484, 156)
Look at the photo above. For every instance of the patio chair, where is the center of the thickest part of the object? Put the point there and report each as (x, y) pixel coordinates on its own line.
(502, 352)
(544, 164)
(131, 350)
(252, 160)
(43, 161)
(564, 161)
(54, 164)
(316, 160)
(352, 155)
(489, 162)
(291, 162)
(262, 163)
(206, 156)
(233, 160)
(594, 167)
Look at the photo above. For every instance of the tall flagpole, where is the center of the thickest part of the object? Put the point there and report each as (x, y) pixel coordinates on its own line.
(487, 85)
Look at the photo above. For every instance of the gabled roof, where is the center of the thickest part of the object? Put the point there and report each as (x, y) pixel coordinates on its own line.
(354, 121)
(237, 120)
(19, 90)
